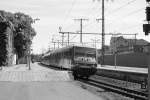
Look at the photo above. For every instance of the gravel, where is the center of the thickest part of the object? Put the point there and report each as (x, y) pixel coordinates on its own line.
(106, 95)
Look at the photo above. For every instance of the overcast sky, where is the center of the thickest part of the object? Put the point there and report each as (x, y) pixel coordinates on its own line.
(122, 16)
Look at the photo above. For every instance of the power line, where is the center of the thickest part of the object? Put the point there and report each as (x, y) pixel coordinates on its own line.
(132, 27)
(69, 26)
(81, 22)
(119, 8)
(127, 15)
(69, 11)
(73, 37)
(92, 13)
(94, 9)
(136, 11)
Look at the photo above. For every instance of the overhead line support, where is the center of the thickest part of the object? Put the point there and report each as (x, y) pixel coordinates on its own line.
(81, 26)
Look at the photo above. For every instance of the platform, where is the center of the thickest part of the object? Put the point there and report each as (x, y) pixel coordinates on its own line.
(40, 83)
(124, 69)
(130, 74)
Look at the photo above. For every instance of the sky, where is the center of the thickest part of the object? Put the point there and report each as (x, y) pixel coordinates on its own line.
(121, 16)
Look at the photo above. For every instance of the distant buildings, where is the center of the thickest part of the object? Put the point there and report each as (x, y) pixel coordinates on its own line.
(123, 45)
(120, 44)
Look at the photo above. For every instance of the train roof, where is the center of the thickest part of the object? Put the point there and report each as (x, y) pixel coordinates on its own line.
(61, 49)
(64, 49)
(46, 54)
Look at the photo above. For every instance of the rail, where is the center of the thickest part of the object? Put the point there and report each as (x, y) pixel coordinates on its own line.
(117, 89)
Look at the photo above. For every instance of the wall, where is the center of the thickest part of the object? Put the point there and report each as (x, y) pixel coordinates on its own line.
(128, 59)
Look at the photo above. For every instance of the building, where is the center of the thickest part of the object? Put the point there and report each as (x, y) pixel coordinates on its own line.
(120, 44)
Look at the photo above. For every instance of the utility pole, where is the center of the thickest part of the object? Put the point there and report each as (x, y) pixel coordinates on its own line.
(62, 39)
(135, 39)
(29, 46)
(81, 22)
(53, 42)
(68, 38)
(57, 43)
(103, 31)
(54, 45)
(146, 29)
(95, 41)
(60, 29)
(29, 52)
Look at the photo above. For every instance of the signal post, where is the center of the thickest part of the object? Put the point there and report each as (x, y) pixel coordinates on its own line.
(146, 29)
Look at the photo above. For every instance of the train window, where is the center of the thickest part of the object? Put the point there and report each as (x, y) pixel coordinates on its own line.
(82, 59)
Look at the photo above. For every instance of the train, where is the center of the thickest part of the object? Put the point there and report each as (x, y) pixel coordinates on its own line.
(80, 60)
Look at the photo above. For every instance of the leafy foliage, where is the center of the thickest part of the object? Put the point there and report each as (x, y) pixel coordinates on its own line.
(21, 29)
(3, 42)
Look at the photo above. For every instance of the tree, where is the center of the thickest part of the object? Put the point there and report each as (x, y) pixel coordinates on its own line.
(22, 27)
(3, 42)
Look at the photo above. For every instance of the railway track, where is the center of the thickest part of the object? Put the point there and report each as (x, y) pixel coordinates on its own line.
(137, 95)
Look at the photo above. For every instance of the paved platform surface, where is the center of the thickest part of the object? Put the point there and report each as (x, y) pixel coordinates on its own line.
(20, 73)
(125, 69)
(44, 91)
(40, 83)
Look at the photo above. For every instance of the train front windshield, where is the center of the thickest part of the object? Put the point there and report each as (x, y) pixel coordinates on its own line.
(85, 58)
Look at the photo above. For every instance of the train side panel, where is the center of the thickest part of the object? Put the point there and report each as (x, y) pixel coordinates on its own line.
(64, 62)
(81, 60)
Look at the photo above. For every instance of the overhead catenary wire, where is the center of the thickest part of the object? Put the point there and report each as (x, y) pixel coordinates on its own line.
(121, 7)
(126, 16)
(69, 11)
(115, 10)
(73, 3)
(73, 37)
(132, 13)
(133, 27)
(93, 7)
(123, 18)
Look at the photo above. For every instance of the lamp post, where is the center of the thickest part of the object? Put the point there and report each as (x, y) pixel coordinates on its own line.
(29, 46)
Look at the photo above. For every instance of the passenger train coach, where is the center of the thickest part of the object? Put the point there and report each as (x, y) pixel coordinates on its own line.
(80, 60)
